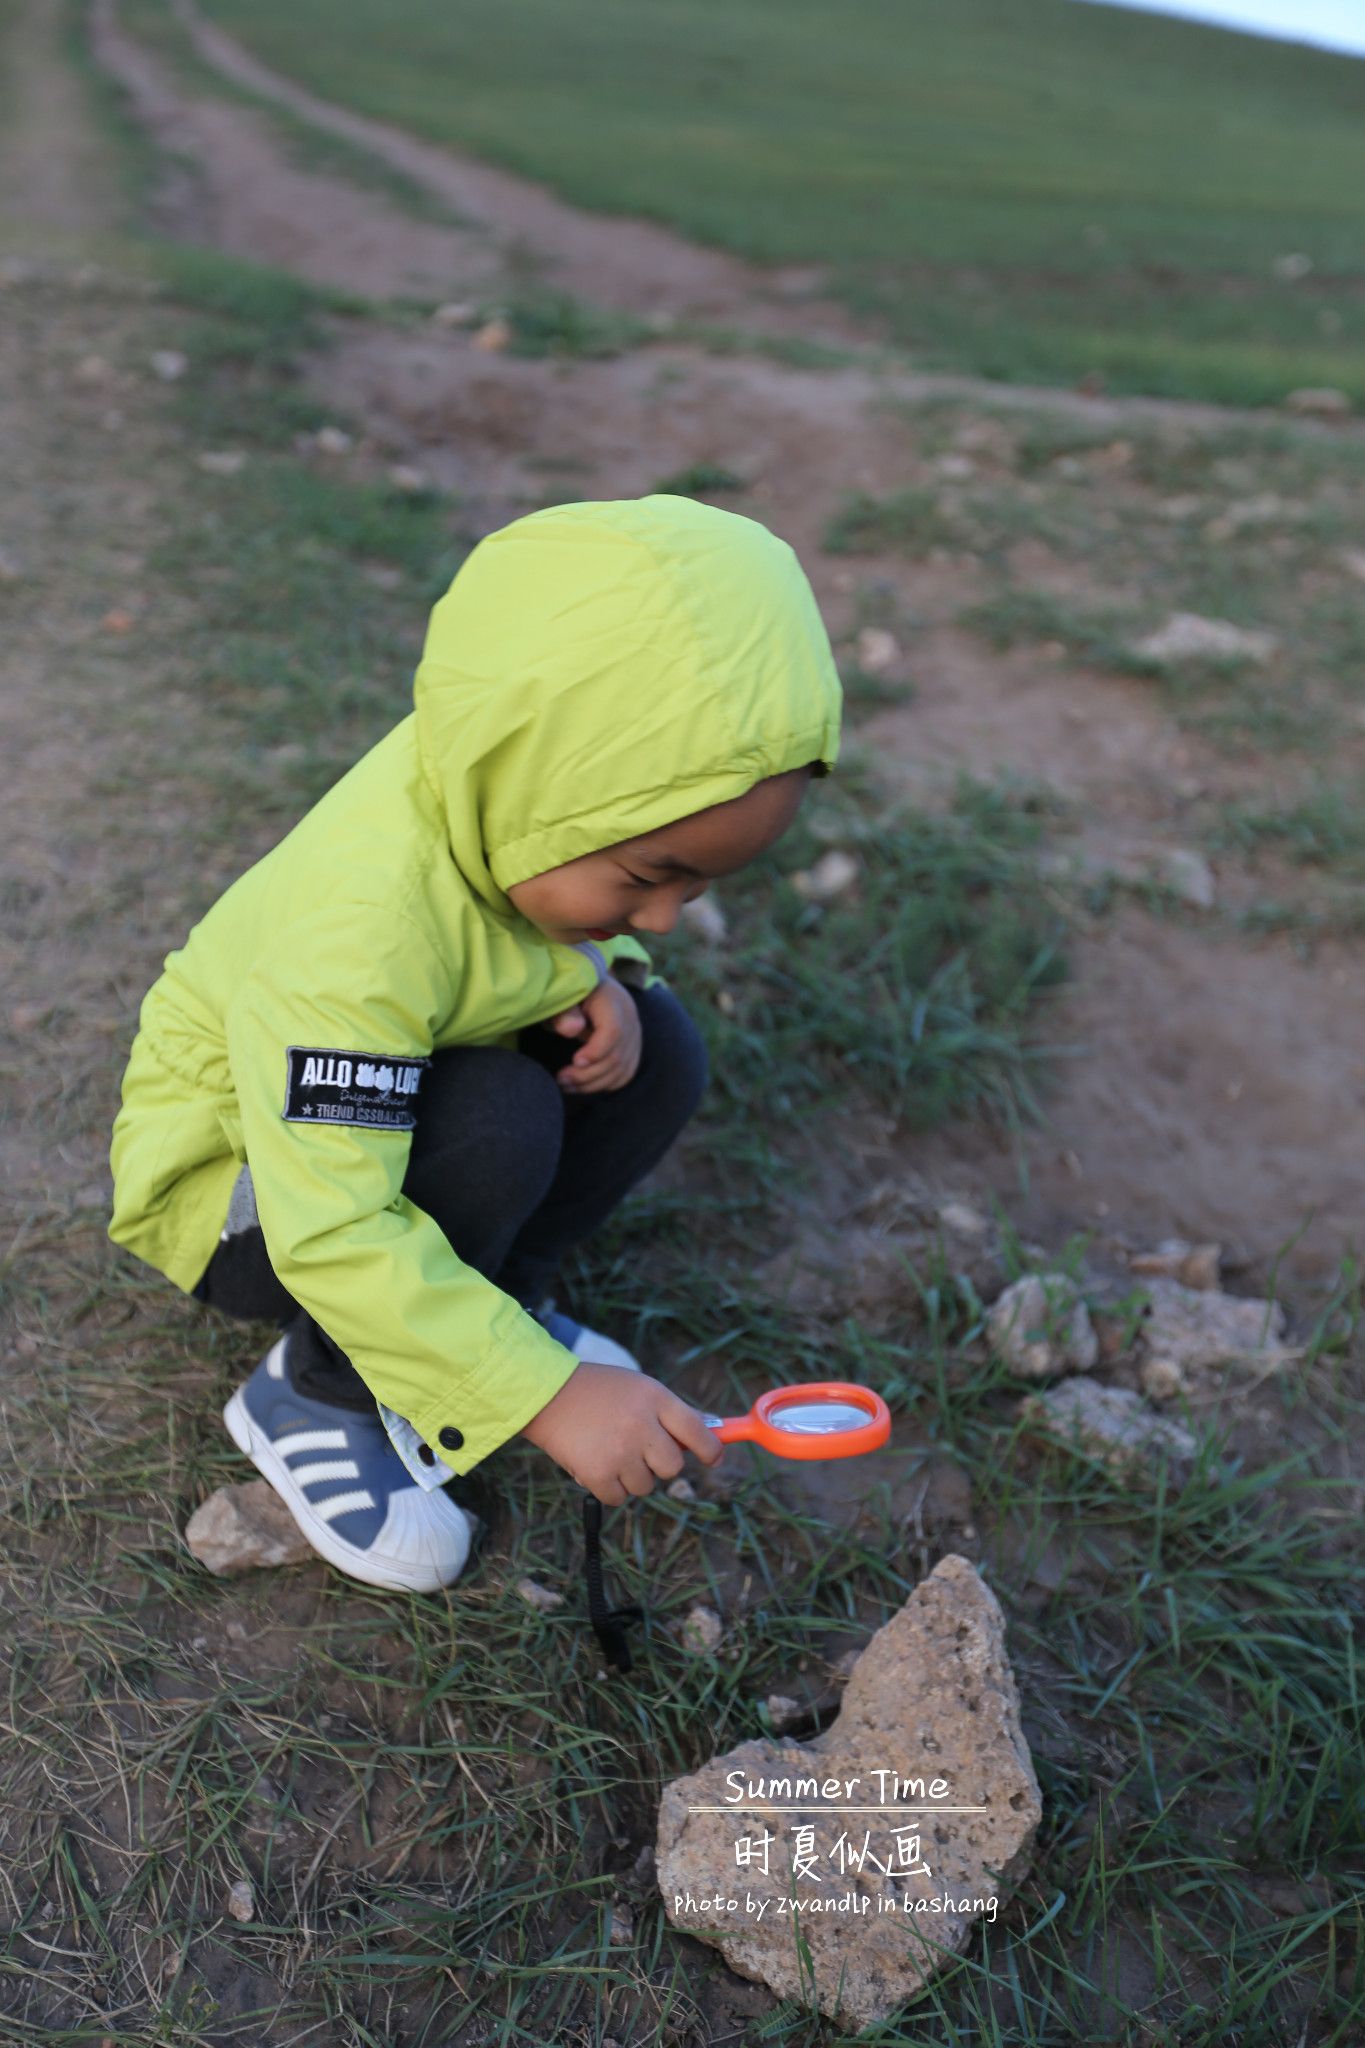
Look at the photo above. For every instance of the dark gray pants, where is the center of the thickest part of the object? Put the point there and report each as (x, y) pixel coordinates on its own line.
(512, 1169)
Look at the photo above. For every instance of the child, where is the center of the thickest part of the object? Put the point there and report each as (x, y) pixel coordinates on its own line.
(354, 1104)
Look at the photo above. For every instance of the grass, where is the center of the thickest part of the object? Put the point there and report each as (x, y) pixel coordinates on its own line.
(1036, 193)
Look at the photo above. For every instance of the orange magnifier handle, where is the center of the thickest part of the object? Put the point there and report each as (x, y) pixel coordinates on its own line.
(827, 1419)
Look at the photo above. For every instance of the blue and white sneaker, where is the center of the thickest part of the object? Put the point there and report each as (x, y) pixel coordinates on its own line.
(346, 1486)
(589, 1345)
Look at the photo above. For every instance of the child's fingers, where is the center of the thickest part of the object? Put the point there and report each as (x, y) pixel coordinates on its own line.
(686, 1425)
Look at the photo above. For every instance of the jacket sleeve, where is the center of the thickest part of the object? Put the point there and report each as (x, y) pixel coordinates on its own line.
(433, 1339)
(629, 962)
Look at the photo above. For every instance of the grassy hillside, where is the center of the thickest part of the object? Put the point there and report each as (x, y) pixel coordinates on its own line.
(1024, 187)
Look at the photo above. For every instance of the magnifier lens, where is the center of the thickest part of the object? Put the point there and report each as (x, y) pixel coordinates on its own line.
(817, 1418)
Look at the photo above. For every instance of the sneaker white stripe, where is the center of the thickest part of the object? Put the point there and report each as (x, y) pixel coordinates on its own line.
(311, 1440)
(343, 1504)
(328, 1468)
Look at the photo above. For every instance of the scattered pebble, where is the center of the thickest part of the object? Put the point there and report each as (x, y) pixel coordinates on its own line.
(622, 1930)
(957, 468)
(404, 477)
(1113, 1425)
(833, 875)
(876, 650)
(221, 461)
(705, 919)
(726, 1004)
(169, 364)
(1040, 1325)
(333, 441)
(1353, 561)
(681, 1489)
(702, 1629)
(963, 1219)
(1193, 1265)
(117, 621)
(1292, 266)
(455, 313)
(1189, 876)
(538, 1596)
(241, 1902)
(1318, 401)
(1188, 637)
(1187, 1329)
(92, 370)
(783, 1711)
(493, 336)
(382, 575)
(240, 1528)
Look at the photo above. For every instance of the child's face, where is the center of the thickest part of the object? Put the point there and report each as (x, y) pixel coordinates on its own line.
(640, 885)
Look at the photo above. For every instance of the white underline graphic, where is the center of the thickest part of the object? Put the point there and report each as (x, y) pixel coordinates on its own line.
(813, 1805)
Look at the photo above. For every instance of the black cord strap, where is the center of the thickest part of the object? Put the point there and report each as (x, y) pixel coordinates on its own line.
(609, 1623)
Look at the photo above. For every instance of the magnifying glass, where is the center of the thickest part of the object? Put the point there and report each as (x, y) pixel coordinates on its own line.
(826, 1419)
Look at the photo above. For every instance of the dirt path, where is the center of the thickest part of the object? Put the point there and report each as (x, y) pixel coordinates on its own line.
(1213, 1078)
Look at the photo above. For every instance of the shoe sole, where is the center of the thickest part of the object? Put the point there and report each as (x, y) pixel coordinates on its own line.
(357, 1564)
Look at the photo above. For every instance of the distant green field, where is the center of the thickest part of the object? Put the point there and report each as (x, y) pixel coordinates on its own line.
(1026, 188)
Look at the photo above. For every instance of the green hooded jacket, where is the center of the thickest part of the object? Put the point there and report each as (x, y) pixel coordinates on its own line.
(594, 672)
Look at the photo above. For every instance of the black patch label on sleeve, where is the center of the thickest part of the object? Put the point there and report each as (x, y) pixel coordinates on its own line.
(373, 1090)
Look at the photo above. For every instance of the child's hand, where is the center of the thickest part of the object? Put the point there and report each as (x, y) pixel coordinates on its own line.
(616, 1432)
(610, 1054)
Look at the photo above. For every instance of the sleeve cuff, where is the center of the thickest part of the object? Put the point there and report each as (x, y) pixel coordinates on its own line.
(488, 1407)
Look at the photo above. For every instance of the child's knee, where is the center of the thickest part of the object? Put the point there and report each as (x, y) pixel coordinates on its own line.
(673, 1052)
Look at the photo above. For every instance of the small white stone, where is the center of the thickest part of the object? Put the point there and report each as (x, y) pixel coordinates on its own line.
(169, 364)
(622, 1929)
(455, 313)
(1040, 1326)
(538, 1596)
(783, 1711)
(705, 919)
(876, 650)
(334, 441)
(1188, 875)
(957, 468)
(493, 336)
(702, 1630)
(221, 461)
(241, 1902)
(404, 477)
(1188, 637)
(963, 1219)
(833, 875)
(681, 1489)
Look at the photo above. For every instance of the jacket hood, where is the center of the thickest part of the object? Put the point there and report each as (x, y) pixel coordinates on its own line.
(597, 671)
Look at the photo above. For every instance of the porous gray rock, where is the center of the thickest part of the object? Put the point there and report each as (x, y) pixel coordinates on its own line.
(240, 1528)
(1187, 1330)
(931, 1703)
(1114, 1425)
(1040, 1326)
